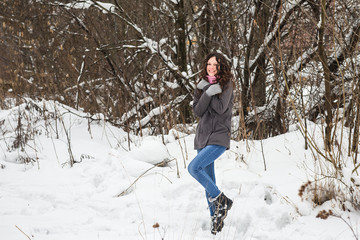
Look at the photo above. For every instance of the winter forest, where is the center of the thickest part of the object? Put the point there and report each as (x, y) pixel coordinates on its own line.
(97, 125)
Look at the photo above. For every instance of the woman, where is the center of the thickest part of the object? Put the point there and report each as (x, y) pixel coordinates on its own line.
(213, 101)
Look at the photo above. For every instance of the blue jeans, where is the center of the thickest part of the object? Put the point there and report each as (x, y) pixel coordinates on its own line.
(203, 170)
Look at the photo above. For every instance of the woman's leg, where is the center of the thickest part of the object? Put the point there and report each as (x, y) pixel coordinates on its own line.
(210, 170)
(206, 157)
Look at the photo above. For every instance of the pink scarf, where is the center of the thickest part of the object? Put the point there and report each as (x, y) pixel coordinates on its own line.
(211, 79)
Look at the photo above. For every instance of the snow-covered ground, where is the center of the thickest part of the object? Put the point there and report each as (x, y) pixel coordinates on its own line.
(117, 193)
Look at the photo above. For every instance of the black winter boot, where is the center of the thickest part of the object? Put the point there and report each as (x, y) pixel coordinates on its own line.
(222, 205)
(216, 225)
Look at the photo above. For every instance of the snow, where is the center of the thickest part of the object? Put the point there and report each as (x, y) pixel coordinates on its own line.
(115, 191)
(105, 7)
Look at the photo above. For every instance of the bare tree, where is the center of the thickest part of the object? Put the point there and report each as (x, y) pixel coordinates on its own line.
(139, 67)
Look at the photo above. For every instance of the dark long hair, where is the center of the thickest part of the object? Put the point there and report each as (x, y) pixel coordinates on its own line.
(224, 74)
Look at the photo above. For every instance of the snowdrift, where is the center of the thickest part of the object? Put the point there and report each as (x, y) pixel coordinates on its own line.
(122, 186)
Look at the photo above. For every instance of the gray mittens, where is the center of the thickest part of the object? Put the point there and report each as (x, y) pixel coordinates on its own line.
(213, 90)
(203, 83)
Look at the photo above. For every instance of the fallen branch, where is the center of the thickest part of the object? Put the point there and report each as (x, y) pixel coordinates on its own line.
(160, 164)
(23, 232)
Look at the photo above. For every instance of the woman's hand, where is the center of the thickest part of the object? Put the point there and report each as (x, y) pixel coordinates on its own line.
(213, 90)
(203, 83)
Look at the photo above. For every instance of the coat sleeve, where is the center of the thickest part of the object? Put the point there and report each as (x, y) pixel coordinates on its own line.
(201, 103)
(221, 102)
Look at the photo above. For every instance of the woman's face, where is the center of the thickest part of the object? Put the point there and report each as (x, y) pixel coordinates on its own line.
(211, 67)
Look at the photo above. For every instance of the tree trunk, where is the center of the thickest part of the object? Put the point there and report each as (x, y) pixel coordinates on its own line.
(181, 36)
(323, 59)
(204, 36)
(185, 109)
(258, 86)
(355, 143)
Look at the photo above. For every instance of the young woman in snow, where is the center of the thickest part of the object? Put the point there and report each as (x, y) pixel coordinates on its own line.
(213, 102)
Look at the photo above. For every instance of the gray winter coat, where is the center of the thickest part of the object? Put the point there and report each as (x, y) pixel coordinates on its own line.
(215, 114)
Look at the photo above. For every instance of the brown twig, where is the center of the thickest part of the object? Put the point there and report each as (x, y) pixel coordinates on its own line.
(161, 164)
(23, 232)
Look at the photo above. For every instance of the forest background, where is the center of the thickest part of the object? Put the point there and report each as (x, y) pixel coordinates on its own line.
(137, 63)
